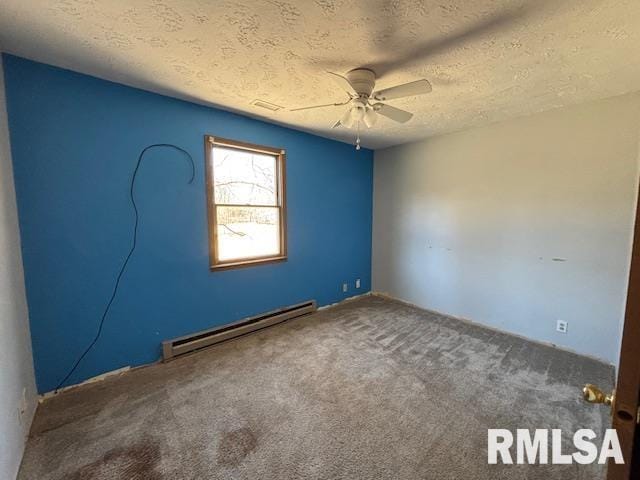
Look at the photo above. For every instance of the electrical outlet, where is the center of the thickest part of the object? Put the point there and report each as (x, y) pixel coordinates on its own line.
(345, 287)
(357, 283)
(562, 326)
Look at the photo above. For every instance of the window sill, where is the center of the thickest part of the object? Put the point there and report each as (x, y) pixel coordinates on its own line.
(246, 263)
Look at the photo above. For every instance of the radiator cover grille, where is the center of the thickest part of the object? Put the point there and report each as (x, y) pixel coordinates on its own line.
(206, 338)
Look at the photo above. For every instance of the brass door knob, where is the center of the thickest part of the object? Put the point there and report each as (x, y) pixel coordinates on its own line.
(593, 394)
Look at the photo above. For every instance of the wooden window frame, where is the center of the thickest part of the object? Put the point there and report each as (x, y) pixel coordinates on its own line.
(214, 263)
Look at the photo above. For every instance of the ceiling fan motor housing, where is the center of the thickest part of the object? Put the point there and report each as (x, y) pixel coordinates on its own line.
(363, 80)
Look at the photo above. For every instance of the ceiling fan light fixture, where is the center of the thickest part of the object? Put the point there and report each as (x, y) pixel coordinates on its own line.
(358, 112)
(370, 117)
(347, 119)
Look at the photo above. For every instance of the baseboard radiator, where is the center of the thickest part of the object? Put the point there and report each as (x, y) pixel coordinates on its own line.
(206, 338)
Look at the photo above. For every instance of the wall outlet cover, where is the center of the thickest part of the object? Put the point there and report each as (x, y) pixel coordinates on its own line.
(358, 283)
(562, 326)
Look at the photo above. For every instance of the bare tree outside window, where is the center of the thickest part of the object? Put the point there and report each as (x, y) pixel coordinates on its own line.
(245, 191)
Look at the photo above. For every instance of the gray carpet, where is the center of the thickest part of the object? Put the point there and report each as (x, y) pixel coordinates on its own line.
(370, 389)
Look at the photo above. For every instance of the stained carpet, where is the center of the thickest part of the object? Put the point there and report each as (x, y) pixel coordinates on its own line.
(369, 389)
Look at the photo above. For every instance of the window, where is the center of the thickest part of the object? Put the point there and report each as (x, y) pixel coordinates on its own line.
(246, 203)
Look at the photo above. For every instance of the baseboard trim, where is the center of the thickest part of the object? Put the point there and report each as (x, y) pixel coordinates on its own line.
(344, 300)
(98, 378)
(495, 329)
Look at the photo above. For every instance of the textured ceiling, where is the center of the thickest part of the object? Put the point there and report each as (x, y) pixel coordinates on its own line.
(488, 60)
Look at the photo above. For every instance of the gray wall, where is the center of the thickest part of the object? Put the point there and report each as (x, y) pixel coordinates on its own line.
(16, 364)
(516, 225)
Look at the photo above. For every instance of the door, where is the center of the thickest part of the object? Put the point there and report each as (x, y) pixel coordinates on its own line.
(624, 401)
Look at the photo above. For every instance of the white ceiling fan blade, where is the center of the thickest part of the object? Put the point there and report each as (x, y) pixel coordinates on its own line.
(343, 82)
(395, 114)
(418, 87)
(318, 106)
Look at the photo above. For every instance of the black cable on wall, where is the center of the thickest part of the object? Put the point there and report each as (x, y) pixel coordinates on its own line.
(131, 250)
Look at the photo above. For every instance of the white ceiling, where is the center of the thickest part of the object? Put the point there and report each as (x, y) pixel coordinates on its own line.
(488, 60)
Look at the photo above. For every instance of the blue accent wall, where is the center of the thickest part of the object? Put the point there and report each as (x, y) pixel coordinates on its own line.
(75, 140)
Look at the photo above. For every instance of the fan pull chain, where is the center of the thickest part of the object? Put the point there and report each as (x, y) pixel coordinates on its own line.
(358, 137)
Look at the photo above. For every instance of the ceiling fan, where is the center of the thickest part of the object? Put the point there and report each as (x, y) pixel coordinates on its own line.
(365, 103)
